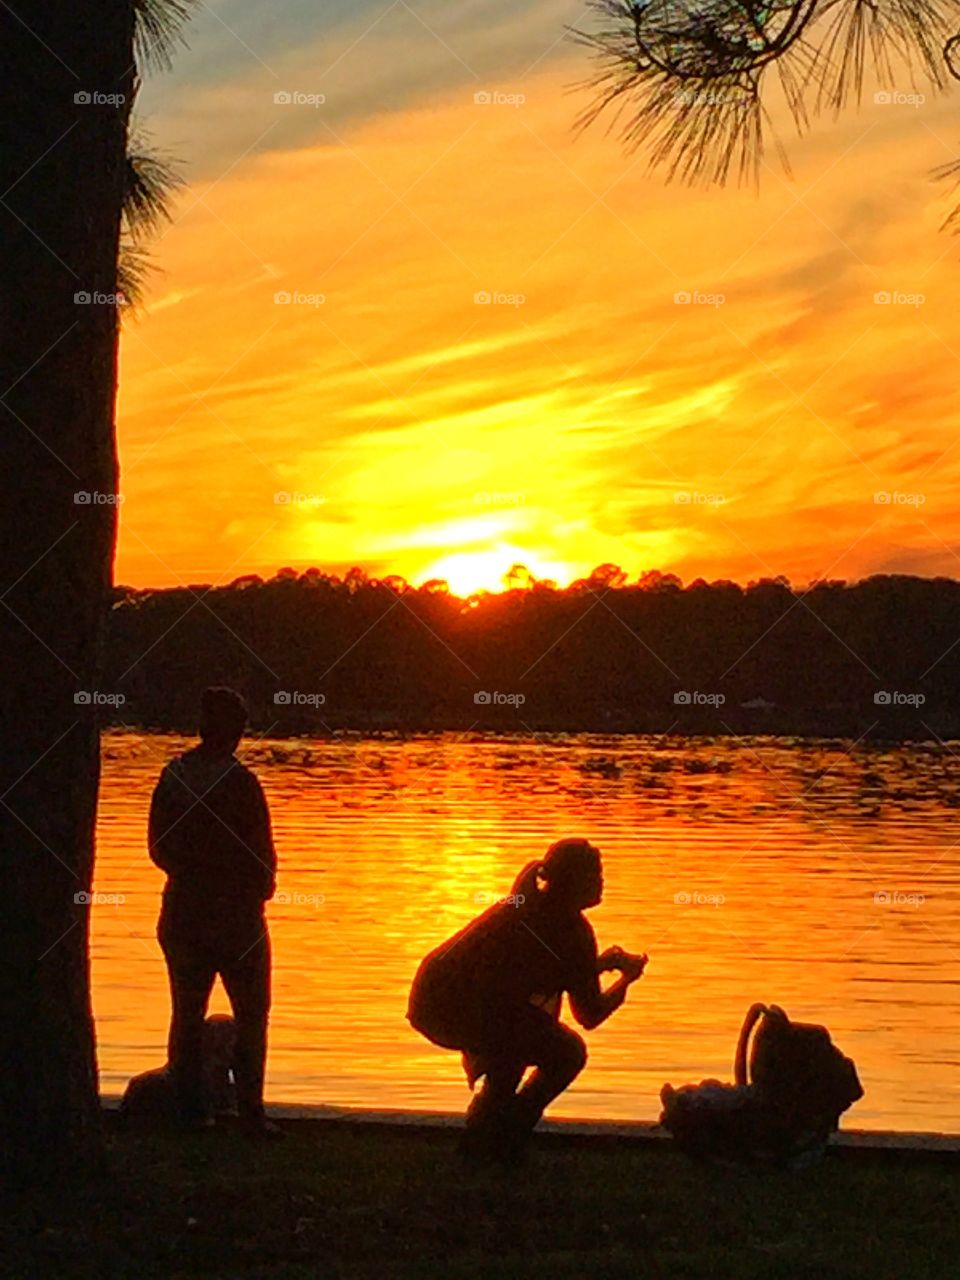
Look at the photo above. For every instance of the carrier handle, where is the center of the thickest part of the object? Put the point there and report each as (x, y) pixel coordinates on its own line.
(754, 1014)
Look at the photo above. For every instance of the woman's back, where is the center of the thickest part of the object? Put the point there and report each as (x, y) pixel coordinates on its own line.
(499, 961)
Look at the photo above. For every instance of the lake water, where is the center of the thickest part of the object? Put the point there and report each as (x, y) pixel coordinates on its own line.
(819, 876)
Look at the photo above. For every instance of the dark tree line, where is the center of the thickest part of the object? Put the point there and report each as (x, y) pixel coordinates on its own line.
(314, 653)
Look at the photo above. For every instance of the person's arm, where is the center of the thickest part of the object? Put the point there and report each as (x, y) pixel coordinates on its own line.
(162, 834)
(261, 841)
(589, 1003)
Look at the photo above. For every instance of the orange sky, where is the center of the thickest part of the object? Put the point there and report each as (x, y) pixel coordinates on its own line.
(420, 432)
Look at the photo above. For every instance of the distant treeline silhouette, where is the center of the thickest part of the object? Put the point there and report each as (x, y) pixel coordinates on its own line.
(314, 652)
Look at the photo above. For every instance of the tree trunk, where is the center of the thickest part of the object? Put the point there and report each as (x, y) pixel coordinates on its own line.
(62, 147)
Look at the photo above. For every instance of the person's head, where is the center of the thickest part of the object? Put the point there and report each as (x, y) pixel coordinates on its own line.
(573, 873)
(223, 718)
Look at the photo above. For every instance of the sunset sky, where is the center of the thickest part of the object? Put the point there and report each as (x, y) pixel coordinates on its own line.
(416, 430)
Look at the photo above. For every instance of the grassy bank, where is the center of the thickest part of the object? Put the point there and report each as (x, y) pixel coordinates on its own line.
(332, 1201)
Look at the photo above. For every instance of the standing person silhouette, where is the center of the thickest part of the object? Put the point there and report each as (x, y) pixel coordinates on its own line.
(210, 832)
(494, 992)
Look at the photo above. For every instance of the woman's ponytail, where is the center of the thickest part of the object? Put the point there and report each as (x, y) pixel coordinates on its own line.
(526, 886)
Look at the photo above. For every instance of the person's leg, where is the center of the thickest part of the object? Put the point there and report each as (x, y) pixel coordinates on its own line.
(191, 980)
(559, 1055)
(247, 982)
(496, 1093)
(504, 1112)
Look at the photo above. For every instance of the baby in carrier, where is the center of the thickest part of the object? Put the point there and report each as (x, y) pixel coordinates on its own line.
(785, 1103)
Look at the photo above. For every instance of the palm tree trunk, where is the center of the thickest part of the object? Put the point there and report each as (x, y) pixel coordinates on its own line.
(61, 176)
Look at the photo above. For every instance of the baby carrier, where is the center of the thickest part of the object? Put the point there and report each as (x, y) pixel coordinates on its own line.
(792, 1084)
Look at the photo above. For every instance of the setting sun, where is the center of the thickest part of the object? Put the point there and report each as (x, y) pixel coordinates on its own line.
(468, 572)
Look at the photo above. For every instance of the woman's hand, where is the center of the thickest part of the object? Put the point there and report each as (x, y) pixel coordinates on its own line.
(629, 966)
(632, 967)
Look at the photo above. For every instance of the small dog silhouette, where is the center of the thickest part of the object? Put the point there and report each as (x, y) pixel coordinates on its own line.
(152, 1096)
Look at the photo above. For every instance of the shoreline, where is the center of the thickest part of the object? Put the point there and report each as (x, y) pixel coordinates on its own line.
(641, 1133)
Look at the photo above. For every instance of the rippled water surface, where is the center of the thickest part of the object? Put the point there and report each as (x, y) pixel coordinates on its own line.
(820, 876)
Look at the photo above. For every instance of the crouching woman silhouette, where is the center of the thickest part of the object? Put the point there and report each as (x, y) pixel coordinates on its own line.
(494, 992)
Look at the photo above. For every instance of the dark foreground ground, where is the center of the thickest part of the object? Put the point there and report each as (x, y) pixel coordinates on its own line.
(336, 1200)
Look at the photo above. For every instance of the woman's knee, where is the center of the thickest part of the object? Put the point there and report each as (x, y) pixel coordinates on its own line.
(569, 1054)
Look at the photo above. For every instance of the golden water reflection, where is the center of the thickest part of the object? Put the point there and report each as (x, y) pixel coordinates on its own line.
(821, 877)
